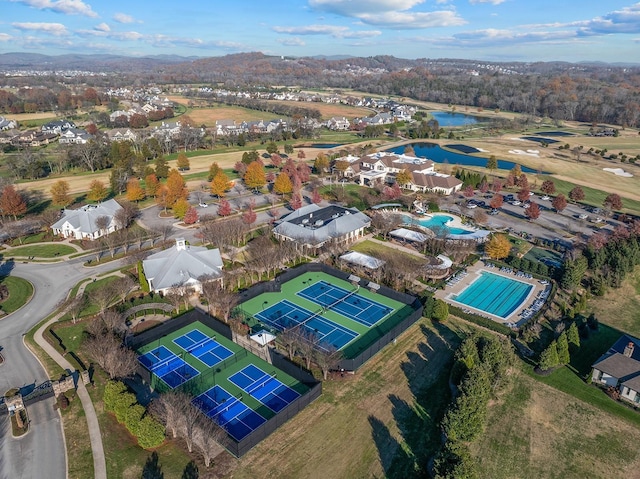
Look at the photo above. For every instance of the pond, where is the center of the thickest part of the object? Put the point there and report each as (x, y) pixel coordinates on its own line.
(437, 154)
(548, 141)
(447, 118)
(325, 145)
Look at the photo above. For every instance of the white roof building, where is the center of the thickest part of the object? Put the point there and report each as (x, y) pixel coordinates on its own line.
(83, 222)
(313, 226)
(182, 265)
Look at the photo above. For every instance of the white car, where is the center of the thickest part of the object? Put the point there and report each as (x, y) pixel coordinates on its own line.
(526, 205)
(545, 197)
(515, 203)
(203, 205)
(471, 205)
(583, 216)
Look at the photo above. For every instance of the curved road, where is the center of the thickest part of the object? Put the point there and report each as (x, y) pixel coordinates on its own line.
(41, 453)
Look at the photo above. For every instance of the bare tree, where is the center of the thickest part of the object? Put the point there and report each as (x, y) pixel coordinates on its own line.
(207, 438)
(191, 415)
(307, 346)
(113, 321)
(104, 296)
(102, 223)
(289, 339)
(168, 409)
(75, 305)
(125, 216)
(327, 358)
(174, 295)
(108, 351)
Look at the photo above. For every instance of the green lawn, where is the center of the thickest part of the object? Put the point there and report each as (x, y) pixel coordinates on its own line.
(20, 291)
(538, 254)
(378, 250)
(593, 196)
(42, 251)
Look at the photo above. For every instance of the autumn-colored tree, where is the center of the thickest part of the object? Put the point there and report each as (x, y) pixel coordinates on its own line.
(559, 202)
(533, 211)
(404, 177)
(498, 247)
(522, 181)
(249, 217)
(180, 208)
(151, 185)
(60, 193)
(497, 201)
(296, 201)
(612, 202)
(392, 192)
(255, 177)
(321, 164)
(12, 203)
(97, 191)
(341, 166)
(191, 216)
(468, 191)
(276, 160)
(316, 198)
(282, 185)
(224, 208)
(523, 194)
(240, 168)
(135, 192)
(182, 162)
(220, 184)
(213, 171)
(548, 187)
(576, 194)
(516, 171)
(301, 154)
(496, 185)
(162, 197)
(492, 163)
(176, 187)
(484, 187)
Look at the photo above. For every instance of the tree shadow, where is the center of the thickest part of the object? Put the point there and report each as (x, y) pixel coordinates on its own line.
(6, 268)
(152, 468)
(427, 370)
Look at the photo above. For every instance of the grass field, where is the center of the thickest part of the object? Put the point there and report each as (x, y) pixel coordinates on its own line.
(381, 422)
(209, 116)
(379, 250)
(20, 291)
(535, 430)
(620, 308)
(327, 110)
(52, 250)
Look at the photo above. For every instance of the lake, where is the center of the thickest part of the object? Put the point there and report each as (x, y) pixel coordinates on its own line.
(447, 118)
(435, 153)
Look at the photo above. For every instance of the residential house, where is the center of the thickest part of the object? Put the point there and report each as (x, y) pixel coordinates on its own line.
(122, 134)
(338, 123)
(312, 226)
(57, 126)
(352, 169)
(182, 265)
(6, 124)
(75, 136)
(169, 129)
(383, 167)
(84, 223)
(33, 138)
(226, 127)
(619, 368)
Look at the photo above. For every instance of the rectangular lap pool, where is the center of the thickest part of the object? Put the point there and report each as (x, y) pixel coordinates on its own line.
(494, 294)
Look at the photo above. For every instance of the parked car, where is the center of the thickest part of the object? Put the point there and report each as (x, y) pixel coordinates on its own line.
(526, 205)
(203, 205)
(583, 216)
(516, 203)
(493, 212)
(471, 205)
(545, 197)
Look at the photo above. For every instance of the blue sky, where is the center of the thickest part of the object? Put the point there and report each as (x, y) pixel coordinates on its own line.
(498, 30)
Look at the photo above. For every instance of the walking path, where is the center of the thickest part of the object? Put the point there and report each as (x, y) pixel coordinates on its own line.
(95, 437)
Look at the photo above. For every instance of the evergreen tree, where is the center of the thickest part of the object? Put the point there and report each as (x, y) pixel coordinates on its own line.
(182, 162)
(440, 310)
(562, 345)
(213, 171)
(573, 336)
(549, 357)
(161, 167)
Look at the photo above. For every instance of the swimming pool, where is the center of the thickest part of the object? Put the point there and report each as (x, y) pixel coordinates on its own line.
(494, 294)
(437, 221)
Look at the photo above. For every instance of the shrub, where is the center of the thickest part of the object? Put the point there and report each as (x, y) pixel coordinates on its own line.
(123, 402)
(150, 433)
(63, 401)
(142, 279)
(112, 390)
(132, 417)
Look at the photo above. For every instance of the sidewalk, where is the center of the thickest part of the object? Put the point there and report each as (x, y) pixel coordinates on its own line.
(99, 463)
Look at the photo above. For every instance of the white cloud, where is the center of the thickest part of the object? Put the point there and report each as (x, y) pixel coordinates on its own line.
(492, 2)
(408, 20)
(331, 30)
(626, 20)
(354, 8)
(56, 29)
(68, 7)
(5, 37)
(291, 42)
(166, 41)
(123, 18)
(102, 27)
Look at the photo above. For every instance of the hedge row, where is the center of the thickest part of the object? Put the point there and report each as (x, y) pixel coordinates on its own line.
(482, 321)
(148, 431)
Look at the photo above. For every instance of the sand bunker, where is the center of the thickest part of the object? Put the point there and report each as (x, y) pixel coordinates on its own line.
(618, 172)
(535, 153)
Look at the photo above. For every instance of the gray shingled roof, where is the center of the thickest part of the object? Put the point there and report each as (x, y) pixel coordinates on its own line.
(618, 365)
(320, 227)
(85, 217)
(176, 266)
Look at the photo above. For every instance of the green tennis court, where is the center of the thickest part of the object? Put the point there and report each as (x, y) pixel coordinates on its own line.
(232, 386)
(333, 311)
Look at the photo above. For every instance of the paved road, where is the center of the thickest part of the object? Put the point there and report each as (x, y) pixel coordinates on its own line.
(40, 454)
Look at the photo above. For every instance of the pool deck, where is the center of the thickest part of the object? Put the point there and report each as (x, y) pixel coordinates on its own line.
(473, 272)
